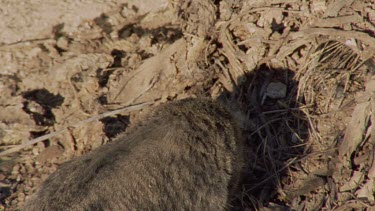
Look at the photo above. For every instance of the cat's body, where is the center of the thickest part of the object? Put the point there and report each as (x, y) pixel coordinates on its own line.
(186, 156)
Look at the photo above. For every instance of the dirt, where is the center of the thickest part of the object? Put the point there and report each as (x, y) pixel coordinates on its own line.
(302, 71)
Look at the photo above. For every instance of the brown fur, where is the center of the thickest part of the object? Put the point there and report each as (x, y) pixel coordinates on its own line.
(186, 156)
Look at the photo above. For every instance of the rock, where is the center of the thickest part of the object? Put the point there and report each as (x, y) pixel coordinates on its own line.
(276, 90)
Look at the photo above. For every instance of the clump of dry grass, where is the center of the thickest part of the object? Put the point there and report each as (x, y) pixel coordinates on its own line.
(326, 74)
(327, 82)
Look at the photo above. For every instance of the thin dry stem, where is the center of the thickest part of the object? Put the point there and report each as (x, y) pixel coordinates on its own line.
(98, 117)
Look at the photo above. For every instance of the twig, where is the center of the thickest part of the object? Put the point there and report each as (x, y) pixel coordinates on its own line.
(25, 42)
(273, 175)
(100, 116)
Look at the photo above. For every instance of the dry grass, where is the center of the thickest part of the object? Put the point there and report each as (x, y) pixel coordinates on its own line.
(326, 75)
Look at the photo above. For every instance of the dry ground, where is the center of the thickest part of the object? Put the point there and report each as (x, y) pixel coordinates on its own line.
(302, 71)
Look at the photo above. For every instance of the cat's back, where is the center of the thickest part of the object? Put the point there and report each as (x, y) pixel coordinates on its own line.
(184, 156)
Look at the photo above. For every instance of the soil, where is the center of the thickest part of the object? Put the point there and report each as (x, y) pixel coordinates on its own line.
(73, 75)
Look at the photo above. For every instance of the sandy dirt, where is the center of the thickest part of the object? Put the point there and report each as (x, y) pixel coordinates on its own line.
(301, 71)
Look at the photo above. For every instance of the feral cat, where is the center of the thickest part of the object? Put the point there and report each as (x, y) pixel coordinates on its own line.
(186, 156)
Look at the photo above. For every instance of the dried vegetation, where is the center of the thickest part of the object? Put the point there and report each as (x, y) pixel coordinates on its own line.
(300, 70)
